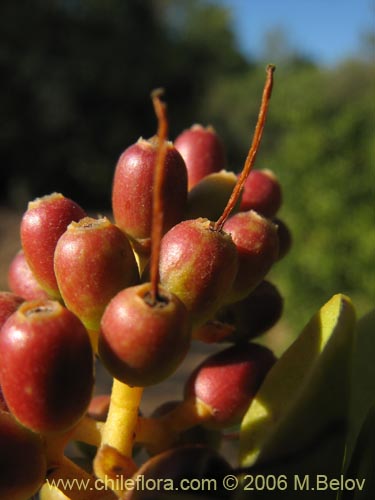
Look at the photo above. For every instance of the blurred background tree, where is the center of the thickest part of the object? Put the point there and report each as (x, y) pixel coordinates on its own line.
(75, 83)
(75, 80)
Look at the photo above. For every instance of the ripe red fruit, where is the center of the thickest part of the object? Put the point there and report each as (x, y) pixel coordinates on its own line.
(142, 343)
(45, 220)
(262, 193)
(22, 281)
(198, 264)
(22, 461)
(93, 261)
(46, 366)
(257, 244)
(203, 152)
(285, 238)
(133, 188)
(227, 381)
(184, 464)
(253, 315)
(9, 303)
(3, 405)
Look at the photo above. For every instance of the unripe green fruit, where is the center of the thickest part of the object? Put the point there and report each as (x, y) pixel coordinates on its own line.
(210, 195)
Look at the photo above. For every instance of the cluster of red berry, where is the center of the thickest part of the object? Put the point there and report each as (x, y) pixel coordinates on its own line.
(184, 260)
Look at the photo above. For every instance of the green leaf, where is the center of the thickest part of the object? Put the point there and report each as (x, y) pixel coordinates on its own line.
(297, 476)
(307, 391)
(362, 464)
(363, 378)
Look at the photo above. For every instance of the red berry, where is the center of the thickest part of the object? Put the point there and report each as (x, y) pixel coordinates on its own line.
(22, 460)
(45, 220)
(262, 193)
(133, 188)
(9, 303)
(46, 366)
(198, 264)
(257, 244)
(93, 261)
(3, 405)
(189, 464)
(22, 281)
(285, 238)
(253, 315)
(203, 152)
(142, 343)
(227, 381)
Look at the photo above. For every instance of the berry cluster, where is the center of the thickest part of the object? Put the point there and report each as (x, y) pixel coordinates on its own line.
(184, 260)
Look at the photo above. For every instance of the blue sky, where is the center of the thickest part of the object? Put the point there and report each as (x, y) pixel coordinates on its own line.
(327, 30)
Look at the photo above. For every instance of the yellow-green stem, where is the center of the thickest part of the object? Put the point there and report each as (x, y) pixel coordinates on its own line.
(89, 431)
(120, 426)
(186, 415)
(160, 433)
(149, 431)
(94, 336)
(154, 434)
(68, 471)
(54, 447)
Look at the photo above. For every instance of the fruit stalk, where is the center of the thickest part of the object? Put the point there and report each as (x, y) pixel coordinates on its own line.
(161, 433)
(67, 472)
(185, 415)
(157, 201)
(88, 430)
(250, 160)
(119, 429)
(152, 432)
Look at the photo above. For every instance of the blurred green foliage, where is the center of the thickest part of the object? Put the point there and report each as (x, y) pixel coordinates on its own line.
(319, 139)
(75, 80)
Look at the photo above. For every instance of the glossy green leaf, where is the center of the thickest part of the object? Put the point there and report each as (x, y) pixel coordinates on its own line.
(307, 391)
